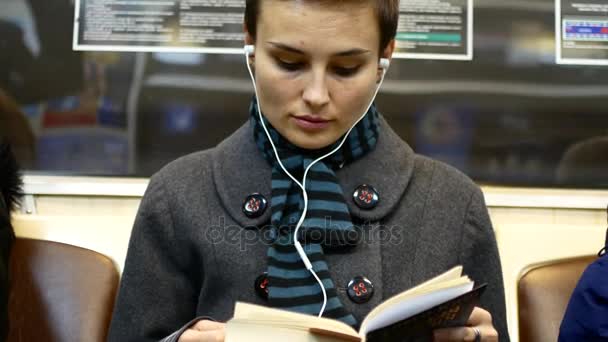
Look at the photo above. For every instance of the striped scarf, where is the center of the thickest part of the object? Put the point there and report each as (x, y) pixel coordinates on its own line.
(328, 222)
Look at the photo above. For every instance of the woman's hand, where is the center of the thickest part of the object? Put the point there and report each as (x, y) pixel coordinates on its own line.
(204, 331)
(479, 319)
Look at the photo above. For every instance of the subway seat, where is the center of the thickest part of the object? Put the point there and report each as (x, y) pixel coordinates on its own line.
(522, 246)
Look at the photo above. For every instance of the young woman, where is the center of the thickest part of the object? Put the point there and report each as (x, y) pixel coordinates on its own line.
(219, 226)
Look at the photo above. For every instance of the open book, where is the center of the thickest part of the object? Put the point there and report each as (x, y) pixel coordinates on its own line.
(444, 301)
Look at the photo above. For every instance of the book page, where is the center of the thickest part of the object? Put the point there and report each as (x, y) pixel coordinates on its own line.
(451, 274)
(296, 327)
(413, 306)
(238, 330)
(445, 277)
(258, 314)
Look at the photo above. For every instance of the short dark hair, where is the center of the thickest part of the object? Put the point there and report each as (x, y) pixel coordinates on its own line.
(10, 191)
(11, 183)
(387, 12)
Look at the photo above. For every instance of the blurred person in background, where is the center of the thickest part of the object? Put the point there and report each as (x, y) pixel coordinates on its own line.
(37, 62)
(586, 317)
(10, 192)
(16, 130)
(585, 163)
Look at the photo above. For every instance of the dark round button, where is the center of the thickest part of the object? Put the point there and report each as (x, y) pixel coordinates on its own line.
(255, 205)
(365, 196)
(360, 290)
(261, 285)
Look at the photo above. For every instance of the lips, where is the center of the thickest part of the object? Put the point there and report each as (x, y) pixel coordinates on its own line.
(311, 118)
(311, 122)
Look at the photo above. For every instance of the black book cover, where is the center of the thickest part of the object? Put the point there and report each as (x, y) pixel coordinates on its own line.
(419, 328)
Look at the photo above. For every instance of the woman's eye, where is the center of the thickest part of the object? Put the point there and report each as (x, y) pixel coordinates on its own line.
(345, 72)
(289, 66)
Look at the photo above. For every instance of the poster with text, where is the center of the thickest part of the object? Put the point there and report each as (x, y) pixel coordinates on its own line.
(435, 29)
(428, 29)
(581, 30)
(213, 26)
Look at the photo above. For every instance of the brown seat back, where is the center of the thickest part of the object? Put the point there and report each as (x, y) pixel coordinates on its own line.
(543, 294)
(59, 292)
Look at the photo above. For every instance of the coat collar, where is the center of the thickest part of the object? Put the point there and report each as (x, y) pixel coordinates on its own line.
(240, 170)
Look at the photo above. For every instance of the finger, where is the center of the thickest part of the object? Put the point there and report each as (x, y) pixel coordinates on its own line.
(454, 334)
(488, 333)
(213, 336)
(192, 335)
(479, 316)
(205, 324)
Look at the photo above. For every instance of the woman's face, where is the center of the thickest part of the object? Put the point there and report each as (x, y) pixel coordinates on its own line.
(316, 67)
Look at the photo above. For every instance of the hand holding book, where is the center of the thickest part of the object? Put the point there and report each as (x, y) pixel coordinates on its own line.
(445, 301)
(480, 319)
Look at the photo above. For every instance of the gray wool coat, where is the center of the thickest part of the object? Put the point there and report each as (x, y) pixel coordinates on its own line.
(193, 252)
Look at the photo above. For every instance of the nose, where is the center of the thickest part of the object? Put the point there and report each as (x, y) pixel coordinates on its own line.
(316, 93)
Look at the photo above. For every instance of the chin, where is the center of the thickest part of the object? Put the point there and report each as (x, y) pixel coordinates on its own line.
(313, 146)
(312, 143)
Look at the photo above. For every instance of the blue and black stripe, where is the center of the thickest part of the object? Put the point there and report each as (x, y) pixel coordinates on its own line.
(327, 224)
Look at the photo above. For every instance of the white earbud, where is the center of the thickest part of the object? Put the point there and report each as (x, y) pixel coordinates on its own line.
(384, 64)
(249, 49)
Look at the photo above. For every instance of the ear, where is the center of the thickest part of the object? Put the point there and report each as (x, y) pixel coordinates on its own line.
(248, 38)
(388, 50)
(388, 54)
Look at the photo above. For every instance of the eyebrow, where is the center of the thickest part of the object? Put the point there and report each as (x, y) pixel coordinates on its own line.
(351, 52)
